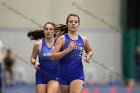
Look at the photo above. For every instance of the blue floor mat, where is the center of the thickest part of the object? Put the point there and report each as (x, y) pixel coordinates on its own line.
(103, 89)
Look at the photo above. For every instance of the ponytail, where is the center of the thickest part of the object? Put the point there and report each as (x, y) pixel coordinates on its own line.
(39, 34)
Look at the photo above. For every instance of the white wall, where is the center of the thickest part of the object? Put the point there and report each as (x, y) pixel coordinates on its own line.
(90, 11)
(106, 45)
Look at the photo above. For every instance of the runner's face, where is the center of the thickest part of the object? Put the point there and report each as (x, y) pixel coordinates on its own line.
(73, 23)
(49, 30)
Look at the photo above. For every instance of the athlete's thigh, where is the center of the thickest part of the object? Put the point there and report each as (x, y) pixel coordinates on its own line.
(52, 86)
(41, 88)
(76, 86)
(64, 88)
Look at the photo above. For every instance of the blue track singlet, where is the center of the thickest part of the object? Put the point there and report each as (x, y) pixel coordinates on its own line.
(48, 69)
(70, 66)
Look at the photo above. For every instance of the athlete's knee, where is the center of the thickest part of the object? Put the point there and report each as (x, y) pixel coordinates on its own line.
(76, 86)
(52, 87)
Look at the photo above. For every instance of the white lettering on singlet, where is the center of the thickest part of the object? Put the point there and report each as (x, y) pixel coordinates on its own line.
(78, 47)
(47, 54)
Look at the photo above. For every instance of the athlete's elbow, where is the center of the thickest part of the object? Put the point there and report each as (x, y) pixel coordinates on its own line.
(53, 57)
(91, 53)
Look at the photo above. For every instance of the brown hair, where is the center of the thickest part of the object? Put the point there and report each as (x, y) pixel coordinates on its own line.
(51, 24)
(61, 28)
(72, 15)
(38, 34)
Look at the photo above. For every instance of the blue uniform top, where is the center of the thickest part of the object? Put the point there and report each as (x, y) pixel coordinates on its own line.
(48, 69)
(45, 59)
(71, 64)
